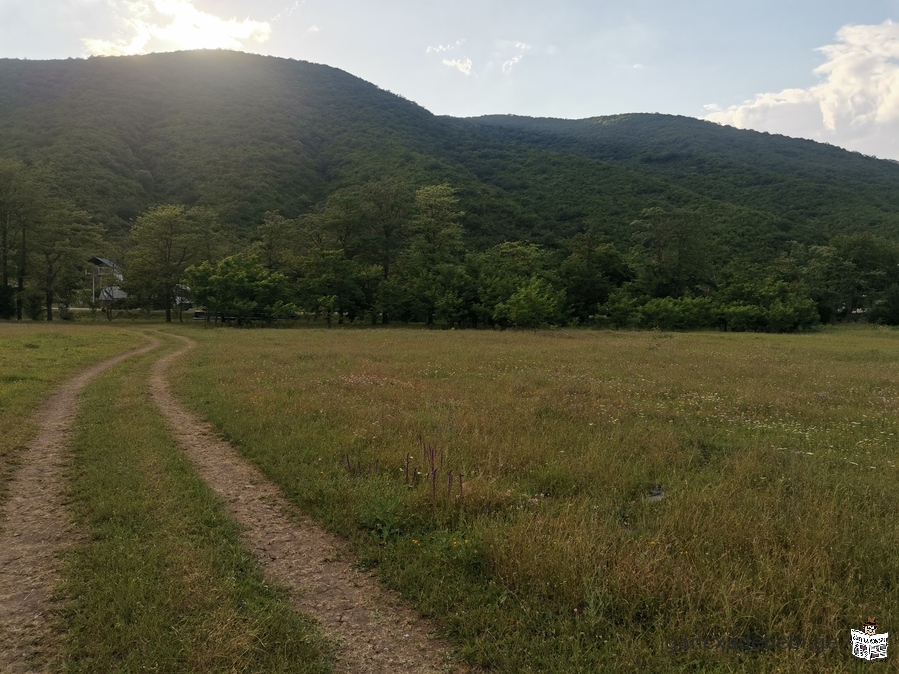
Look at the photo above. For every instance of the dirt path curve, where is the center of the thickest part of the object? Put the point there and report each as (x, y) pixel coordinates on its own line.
(376, 632)
(35, 525)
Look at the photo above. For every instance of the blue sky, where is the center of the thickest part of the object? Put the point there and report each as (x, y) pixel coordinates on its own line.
(820, 69)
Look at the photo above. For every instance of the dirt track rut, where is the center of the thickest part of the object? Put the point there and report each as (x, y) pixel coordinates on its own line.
(35, 526)
(376, 632)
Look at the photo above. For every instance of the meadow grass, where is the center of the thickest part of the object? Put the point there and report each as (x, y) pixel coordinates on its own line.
(36, 357)
(162, 582)
(774, 455)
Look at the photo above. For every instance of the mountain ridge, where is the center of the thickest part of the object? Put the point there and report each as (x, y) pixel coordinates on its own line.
(246, 134)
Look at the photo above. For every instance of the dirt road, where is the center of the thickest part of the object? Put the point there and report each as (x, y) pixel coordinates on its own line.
(35, 526)
(376, 632)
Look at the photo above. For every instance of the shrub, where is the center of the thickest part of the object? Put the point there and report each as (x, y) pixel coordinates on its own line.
(534, 304)
(685, 313)
(739, 317)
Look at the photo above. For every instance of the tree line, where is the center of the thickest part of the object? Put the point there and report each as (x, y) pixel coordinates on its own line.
(385, 252)
(44, 243)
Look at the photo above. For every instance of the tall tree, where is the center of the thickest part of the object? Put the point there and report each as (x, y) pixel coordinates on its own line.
(344, 219)
(874, 264)
(21, 200)
(240, 288)
(165, 241)
(332, 283)
(829, 279)
(591, 271)
(435, 246)
(386, 206)
(278, 239)
(672, 250)
(508, 270)
(61, 243)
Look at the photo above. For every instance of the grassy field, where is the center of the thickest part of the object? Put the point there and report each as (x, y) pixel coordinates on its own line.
(613, 494)
(161, 581)
(34, 358)
(566, 501)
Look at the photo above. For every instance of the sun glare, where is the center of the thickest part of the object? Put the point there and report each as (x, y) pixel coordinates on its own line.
(170, 25)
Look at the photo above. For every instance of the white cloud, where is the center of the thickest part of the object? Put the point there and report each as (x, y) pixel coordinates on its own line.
(507, 66)
(855, 104)
(165, 25)
(444, 47)
(521, 47)
(287, 12)
(462, 65)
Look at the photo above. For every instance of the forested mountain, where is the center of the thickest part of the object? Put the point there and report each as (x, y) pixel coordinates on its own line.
(243, 134)
(247, 134)
(820, 190)
(236, 145)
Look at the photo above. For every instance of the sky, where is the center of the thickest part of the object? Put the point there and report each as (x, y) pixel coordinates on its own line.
(827, 70)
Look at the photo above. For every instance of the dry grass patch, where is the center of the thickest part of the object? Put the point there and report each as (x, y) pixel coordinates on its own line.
(620, 489)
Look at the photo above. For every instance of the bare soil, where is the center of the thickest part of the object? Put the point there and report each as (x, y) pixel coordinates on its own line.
(35, 526)
(376, 633)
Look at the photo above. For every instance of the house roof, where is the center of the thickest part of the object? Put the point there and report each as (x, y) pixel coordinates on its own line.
(112, 293)
(103, 262)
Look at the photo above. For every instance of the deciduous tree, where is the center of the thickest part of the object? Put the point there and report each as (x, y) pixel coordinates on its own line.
(240, 288)
(165, 241)
(673, 251)
(62, 241)
(21, 201)
(435, 248)
(592, 270)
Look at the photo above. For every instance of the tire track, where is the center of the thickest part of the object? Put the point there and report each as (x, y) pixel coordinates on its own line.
(35, 525)
(375, 631)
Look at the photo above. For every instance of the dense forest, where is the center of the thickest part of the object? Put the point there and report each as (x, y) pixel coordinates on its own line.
(261, 188)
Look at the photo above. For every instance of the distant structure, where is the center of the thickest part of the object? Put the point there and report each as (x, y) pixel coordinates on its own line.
(100, 269)
(112, 293)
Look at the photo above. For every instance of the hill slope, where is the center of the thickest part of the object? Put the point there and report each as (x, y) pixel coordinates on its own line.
(247, 134)
(821, 190)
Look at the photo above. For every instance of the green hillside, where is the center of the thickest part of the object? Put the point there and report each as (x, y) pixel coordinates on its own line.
(248, 134)
(821, 190)
(243, 134)
(334, 183)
